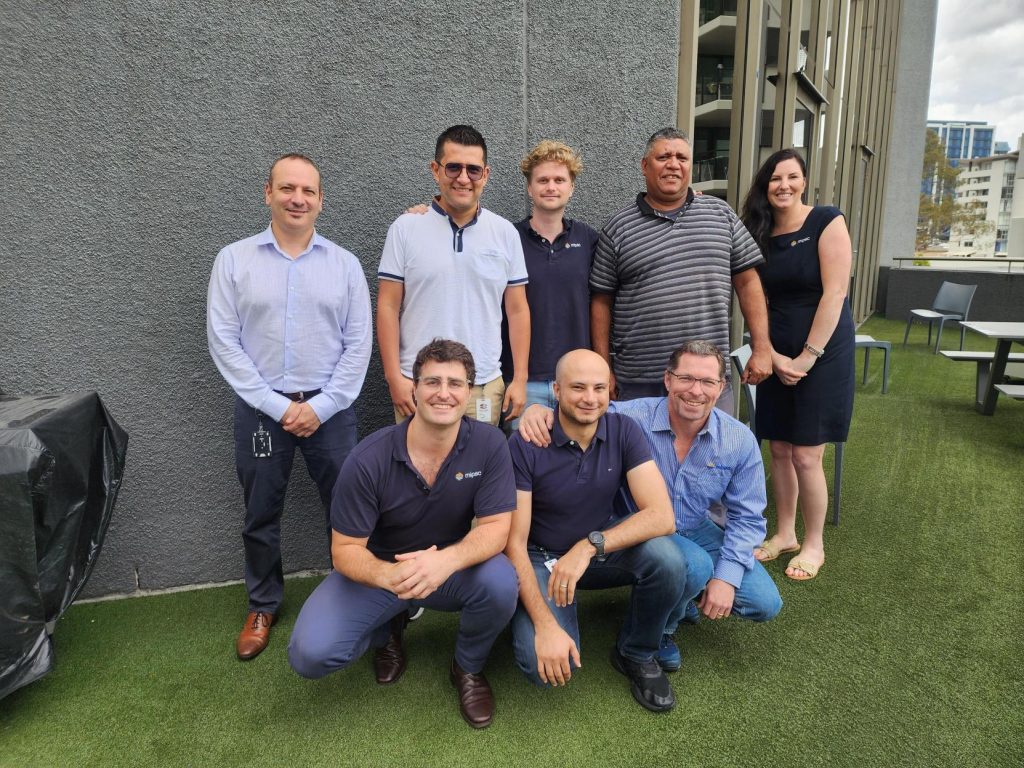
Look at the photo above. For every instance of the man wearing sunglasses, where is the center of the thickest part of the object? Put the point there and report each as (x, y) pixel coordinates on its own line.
(448, 274)
(706, 457)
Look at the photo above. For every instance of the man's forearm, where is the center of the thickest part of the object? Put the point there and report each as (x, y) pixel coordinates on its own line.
(529, 590)
(644, 525)
(484, 541)
(361, 565)
(753, 306)
(601, 324)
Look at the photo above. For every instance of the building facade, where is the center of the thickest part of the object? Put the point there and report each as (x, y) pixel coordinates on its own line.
(986, 183)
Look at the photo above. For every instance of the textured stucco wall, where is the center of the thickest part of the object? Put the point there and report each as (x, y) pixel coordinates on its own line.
(134, 141)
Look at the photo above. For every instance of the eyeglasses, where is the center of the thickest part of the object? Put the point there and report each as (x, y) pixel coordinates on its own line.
(454, 170)
(434, 383)
(708, 385)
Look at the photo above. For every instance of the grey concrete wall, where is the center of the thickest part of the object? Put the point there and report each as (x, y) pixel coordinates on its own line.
(998, 297)
(134, 141)
(910, 113)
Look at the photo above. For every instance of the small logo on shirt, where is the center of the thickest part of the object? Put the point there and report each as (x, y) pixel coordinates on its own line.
(797, 242)
(574, 245)
(468, 475)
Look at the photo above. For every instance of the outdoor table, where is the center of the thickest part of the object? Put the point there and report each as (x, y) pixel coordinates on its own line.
(1005, 334)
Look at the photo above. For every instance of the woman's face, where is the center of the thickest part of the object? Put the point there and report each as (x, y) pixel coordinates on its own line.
(786, 185)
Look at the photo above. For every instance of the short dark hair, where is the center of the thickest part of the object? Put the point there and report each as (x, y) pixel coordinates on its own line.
(445, 351)
(293, 156)
(700, 348)
(669, 132)
(466, 135)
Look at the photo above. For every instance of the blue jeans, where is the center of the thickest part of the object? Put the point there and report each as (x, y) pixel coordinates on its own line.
(536, 392)
(655, 568)
(757, 598)
(342, 619)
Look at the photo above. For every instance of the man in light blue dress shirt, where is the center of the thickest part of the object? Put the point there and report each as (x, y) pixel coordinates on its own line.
(288, 324)
(705, 456)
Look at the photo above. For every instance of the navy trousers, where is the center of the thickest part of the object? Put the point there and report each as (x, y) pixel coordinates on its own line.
(343, 618)
(264, 482)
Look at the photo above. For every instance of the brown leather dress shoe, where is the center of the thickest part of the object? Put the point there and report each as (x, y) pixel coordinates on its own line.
(476, 700)
(254, 635)
(389, 661)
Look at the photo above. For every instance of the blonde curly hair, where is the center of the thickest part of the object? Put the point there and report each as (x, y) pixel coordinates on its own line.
(549, 151)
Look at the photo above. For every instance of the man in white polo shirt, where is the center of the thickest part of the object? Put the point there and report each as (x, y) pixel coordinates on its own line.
(445, 275)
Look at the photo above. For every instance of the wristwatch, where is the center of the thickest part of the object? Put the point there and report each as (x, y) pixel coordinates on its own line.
(597, 539)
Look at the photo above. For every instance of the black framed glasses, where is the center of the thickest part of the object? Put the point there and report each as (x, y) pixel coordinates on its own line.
(454, 170)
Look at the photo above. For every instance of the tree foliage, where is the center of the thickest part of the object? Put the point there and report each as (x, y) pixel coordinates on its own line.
(939, 212)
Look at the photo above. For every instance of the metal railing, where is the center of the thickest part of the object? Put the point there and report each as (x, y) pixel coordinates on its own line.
(711, 88)
(938, 260)
(711, 168)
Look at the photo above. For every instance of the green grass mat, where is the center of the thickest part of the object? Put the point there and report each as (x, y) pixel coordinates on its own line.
(905, 651)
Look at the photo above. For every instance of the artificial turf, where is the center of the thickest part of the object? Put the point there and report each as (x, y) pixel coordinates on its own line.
(906, 650)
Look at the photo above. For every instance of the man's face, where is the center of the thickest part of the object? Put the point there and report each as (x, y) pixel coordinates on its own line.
(460, 195)
(582, 388)
(441, 393)
(666, 169)
(693, 399)
(550, 187)
(294, 196)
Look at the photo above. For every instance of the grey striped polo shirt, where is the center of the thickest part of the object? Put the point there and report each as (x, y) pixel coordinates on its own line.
(672, 279)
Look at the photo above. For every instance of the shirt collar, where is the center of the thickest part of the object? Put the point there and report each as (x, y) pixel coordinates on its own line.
(400, 434)
(649, 210)
(566, 229)
(266, 237)
(661, 422)
(435, 206)
(559, 438)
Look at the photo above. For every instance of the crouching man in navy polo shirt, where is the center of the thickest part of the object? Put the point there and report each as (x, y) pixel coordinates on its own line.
(402, 513)
(562, 538)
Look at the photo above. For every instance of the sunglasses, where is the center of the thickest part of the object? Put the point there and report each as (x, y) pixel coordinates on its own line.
(454, 170)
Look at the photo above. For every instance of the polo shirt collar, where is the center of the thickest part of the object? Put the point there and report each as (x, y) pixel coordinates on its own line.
(559, 438)
(566, 229)
(399, 439)
(455, 227)
(649, 210)
(266, 237)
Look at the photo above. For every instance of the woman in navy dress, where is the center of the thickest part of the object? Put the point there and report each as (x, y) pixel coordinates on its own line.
(809, 400)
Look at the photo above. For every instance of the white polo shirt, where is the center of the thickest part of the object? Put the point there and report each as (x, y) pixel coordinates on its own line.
(455, 279)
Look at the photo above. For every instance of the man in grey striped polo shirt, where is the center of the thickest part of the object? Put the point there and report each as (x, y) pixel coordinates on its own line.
(664, 272)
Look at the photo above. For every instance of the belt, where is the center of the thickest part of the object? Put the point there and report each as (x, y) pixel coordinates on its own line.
(300, 397)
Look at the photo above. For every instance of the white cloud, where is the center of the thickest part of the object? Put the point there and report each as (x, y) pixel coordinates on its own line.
(978, 67)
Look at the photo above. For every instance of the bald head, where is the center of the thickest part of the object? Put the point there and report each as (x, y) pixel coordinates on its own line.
(581, 387)
(581, 360)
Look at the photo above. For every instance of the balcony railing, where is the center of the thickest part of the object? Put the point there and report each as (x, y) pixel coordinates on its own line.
(713, 88)
(711, 168)
(712, 9)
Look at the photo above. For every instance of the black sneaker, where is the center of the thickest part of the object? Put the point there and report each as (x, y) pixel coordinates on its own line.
(649, 685)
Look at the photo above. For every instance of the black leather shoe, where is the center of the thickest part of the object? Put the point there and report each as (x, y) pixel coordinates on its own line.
(476, 700)
(649, 685)
(389, 661)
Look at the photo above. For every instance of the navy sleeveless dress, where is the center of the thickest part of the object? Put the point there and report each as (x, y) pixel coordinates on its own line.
(818, 409)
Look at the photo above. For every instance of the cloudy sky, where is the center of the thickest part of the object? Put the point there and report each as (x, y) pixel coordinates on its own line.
(978, 70)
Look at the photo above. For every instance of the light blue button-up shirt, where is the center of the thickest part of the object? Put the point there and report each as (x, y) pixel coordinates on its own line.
(723, 464)
(291, 325)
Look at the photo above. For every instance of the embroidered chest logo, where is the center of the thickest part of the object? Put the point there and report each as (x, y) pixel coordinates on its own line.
(468, 475)
(797, 242)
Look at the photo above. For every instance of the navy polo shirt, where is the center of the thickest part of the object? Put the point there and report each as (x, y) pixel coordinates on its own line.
(380, 494)
(558, 294)
(573, 490)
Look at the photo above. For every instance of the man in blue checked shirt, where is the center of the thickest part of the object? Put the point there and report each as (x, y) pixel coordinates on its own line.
(704, 456)
(288, 324)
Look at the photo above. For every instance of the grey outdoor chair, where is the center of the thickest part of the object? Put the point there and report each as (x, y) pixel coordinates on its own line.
(952, 302)
(739, 361)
